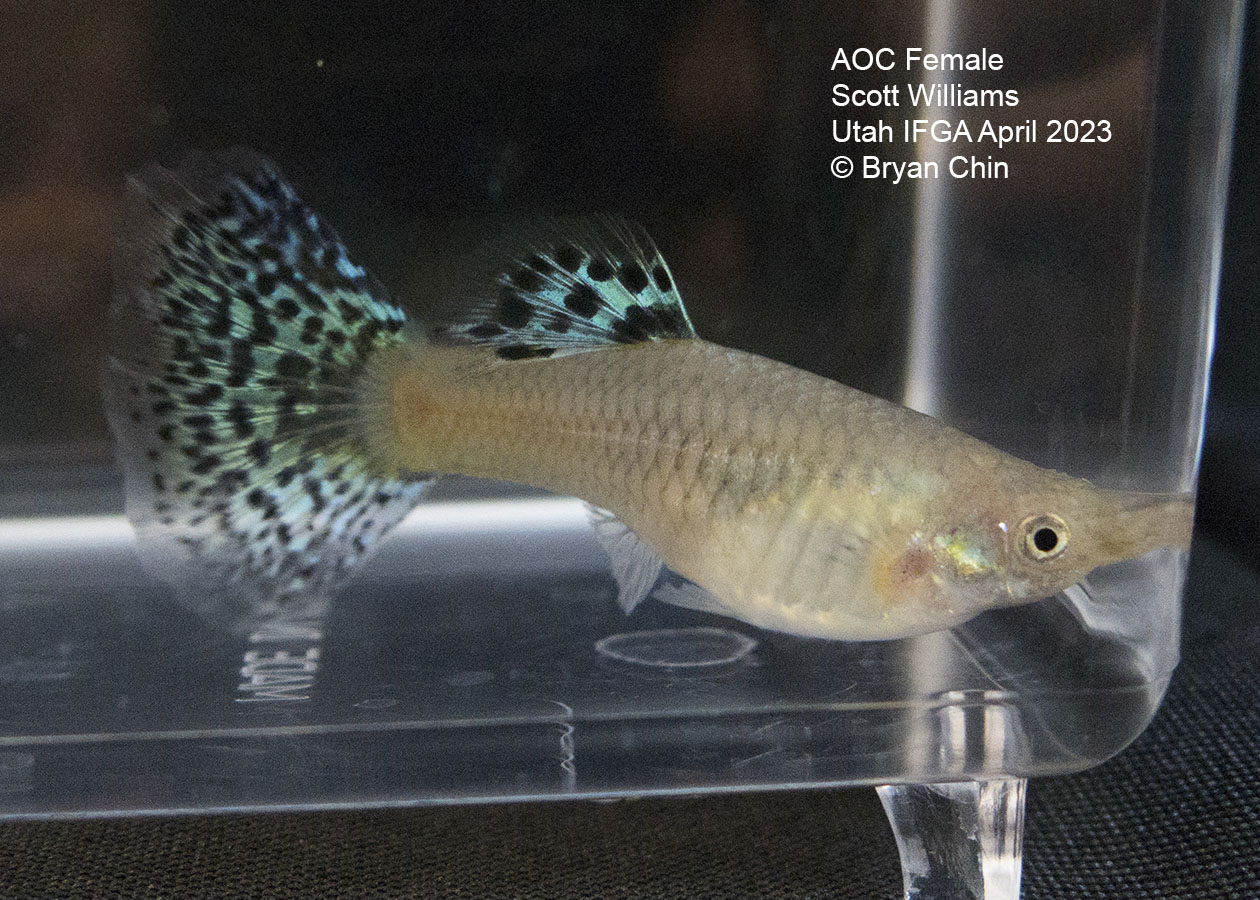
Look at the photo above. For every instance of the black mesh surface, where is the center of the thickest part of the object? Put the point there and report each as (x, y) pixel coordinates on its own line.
(734, 847)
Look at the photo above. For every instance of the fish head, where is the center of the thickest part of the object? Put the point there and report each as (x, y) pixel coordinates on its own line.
(1013, 540)
(1065, 528)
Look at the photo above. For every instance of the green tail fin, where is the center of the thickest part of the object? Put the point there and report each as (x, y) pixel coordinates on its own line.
(240, 330)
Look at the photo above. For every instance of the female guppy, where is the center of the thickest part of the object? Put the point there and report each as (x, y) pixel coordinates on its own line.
(276, 413)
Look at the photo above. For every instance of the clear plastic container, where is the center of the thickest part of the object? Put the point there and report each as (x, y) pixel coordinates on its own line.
(1060, 309)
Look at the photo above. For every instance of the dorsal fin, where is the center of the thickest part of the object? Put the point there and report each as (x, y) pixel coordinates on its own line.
(568, 288)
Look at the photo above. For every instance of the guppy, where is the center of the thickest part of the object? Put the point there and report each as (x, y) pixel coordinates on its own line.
(276, 414)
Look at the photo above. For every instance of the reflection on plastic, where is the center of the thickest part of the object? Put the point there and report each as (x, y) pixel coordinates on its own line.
(678, 649)
(58, 662)
(1152, 629)
(445, 517)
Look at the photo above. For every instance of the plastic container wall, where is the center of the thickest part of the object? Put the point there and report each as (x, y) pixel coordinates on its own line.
(1060, 308)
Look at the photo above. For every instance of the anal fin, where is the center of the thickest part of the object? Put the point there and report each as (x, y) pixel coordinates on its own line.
(636, 565)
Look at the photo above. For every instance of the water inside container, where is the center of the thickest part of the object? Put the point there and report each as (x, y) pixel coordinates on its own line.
(1057, 305)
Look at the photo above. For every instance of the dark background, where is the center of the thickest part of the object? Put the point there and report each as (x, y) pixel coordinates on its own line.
(416, 128)
(1177, 815)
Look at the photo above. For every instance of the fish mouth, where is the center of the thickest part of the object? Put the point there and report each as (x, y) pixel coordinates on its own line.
(1140, 523)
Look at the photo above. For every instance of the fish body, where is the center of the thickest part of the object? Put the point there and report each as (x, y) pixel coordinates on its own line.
(798, 503)
(781, 498)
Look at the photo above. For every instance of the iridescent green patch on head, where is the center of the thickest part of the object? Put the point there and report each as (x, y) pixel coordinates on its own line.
(241, 329)
(966, 553)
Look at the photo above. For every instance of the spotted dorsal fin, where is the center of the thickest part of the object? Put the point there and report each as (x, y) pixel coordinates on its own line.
(568, 288)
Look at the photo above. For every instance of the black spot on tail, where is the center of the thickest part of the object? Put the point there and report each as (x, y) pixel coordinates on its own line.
(294, 365)
(245, 325)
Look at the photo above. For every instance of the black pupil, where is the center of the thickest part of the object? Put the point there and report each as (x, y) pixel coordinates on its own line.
(1045, 540)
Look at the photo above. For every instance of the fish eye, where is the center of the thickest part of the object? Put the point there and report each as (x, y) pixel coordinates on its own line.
(1045, 537)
